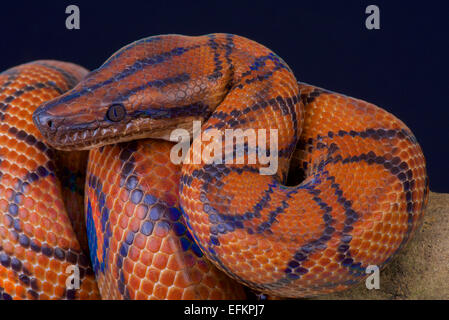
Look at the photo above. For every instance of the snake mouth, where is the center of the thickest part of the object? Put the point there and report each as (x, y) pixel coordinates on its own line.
(87, 139)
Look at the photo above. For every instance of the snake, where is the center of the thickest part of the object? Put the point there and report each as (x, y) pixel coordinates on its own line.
(43, 228)
(348, 191)
(38, 243)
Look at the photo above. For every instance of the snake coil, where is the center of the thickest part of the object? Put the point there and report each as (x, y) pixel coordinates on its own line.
(160, 230)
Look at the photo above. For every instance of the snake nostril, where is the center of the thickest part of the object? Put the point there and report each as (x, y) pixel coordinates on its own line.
(44, 121)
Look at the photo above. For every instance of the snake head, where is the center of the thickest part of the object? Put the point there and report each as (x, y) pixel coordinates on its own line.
(145, 90)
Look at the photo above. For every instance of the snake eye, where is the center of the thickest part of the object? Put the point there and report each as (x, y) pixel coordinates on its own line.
(116, 112)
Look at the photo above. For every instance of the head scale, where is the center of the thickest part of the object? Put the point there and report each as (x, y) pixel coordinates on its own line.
(146, 89)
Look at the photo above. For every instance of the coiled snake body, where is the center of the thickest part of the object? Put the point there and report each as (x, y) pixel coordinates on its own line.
(362, 196)
(38, 243)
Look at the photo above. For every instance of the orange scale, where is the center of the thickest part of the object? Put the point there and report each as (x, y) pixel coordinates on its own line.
(4, 205)
(134, 283)
(52, 215)
(170, 245)
(203, 291)
(134, 253)
(4, 233)
(141, 295)
(270, 268)
(182, 280)
(134, 224)
(362, 255)
(251, 264)
(21, 158)
(6, 221)
(154, 244)
(10, 145)
(40, 233)
(140, 241)
(261, 259)
(128, 265)
(403, 217)
(60, 291)
(393, 198)
(123, 224)
(379, 226)
(129, 209)
(140, 270)
(141, 211)
(382, 252)
(62, 278)
(374, 247)
(178, 262)
(198, 206)
(160, 260)
(30, 257)
(43, 261)
(113, 245)
(42, 296)
(20, 292)
(358, 231)
(216, 295)
(203, 265)
(354, 251)
(365, 245)
(23, 215)
(240, 267)
(167, 277)
(19, 251)
(113, 217)
(388, 217)
(189, 294)
(161, 230)
(9, 287)
(11, 277)
(46, 223)
(309, 277)
(111, 182)
(51, 276)
(356, 242)
(278, 263)
(329, 252)
(4, 127)
(153, 274)
(123, 195)
(162, 171)
(324, 262)
(394, 241)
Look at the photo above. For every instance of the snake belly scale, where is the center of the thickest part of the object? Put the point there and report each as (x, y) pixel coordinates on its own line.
(155, 228)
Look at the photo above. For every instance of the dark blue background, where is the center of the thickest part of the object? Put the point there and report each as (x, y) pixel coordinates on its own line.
(402, 67)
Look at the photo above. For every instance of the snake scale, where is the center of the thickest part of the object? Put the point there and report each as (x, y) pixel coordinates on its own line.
(196, 230)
